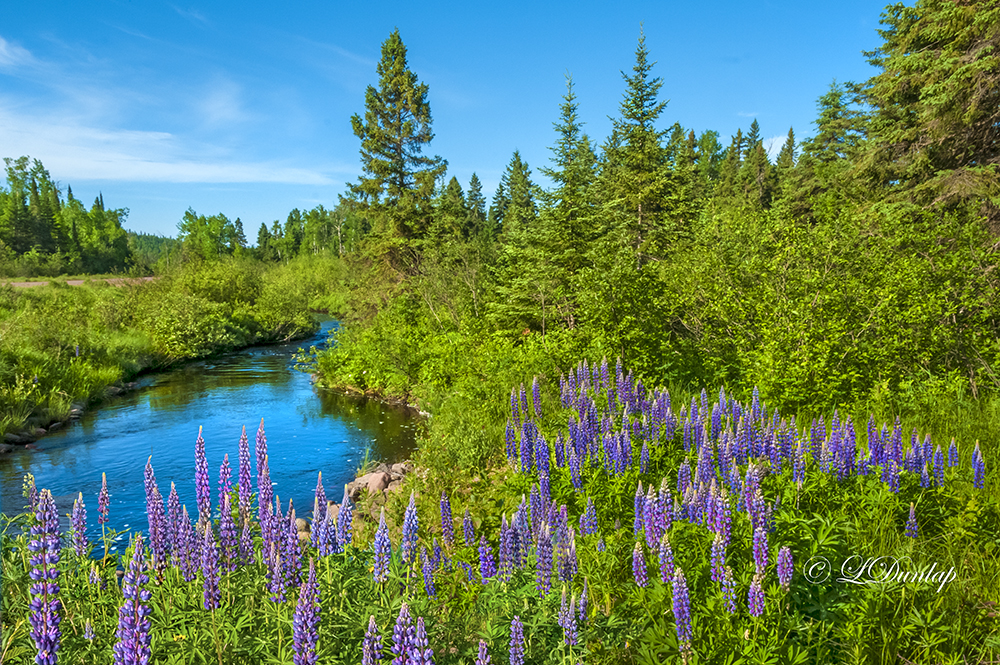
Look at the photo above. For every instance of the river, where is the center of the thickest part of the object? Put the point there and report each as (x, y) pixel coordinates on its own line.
(308, 430)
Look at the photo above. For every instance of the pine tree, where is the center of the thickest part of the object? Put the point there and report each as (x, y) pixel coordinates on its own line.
(399, 180)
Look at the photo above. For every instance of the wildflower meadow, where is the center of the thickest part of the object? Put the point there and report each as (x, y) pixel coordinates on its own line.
(624, 528)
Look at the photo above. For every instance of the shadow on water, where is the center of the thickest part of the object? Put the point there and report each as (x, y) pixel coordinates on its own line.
(308, 430)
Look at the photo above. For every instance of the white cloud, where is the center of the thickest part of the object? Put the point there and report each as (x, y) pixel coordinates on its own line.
(744, 114)
(192, 15)
(12, 55)
(222, 105)
(74, 151)
(773, 146)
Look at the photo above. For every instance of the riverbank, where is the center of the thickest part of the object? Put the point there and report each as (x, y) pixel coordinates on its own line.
(66, 349)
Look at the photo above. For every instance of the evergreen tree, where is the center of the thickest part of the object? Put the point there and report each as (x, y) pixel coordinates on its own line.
(934, 134)
(635, 183)
(265, 252)
(476, 204)
(398, 181)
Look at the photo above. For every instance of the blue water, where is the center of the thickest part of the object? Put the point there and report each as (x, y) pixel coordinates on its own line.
(308, 430)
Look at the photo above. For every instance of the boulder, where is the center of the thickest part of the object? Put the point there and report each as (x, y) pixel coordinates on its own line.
(402, 468)
(376, 482)
(395, 486)
(56, 425)
(10, 437)
(6, 448)
(301, 525)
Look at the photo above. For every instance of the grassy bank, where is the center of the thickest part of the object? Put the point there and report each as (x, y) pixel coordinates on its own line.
(66, 344)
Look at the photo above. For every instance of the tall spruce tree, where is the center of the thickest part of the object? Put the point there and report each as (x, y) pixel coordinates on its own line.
(476, 203)
(398, 181)
(636, 187)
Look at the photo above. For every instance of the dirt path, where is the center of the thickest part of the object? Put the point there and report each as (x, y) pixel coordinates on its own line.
(116, 281)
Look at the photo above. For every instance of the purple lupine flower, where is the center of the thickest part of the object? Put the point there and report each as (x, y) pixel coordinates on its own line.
(103, 501)
(94, 577)
(189, 547)
(785, 567)
(543, 561)
(132, 647)
(524, 404)
(410, 524)
(210, 570)
(925, 476)
(574, 469)
(527, 446)
(911, 522)
(305, 622)
(666, 556)
(514, 411)
(345, 520)
(683, 477)
(510, 438)
(567, 620)
(588, 520)
(265, 493)
(157, 532)
(371, 647)
(174, 524)
(506, 550)
(44, 546)
(600, 544)
(953, 454)
(718, 558)
(484, 655)
(79, 526)
(516, 641)
(639, 507)
(487, 566)
(228, 538)
(755, 597)
(639, 571)
(447, 524)
(427, 566)
(582, 609)
(420, 653)
(536, 397)
(978, 468)
(403, 637)
(468, 532)
(682, 610)
(319, 535)
(243, 481)
(225, 478)
(564, 562)
(292, 550)
(203, 486)
(246, 544)
(321, 499)
(760, 550)
(939, 466)
(729, 591)
(275, 571)
(383, 551)
(88, 630)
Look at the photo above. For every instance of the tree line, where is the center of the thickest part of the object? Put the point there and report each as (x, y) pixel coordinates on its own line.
(858, 259)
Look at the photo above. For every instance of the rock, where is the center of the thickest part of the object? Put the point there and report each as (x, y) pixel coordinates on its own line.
(301, 525)
(6, 448)
(304, 536)
(402, 468)
(10, 437)
(112, 391)
(395, 486)
(376, 482)
(333, 510)
(56, 425)
(39, 432)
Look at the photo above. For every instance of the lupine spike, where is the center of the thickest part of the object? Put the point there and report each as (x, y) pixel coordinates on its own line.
(305, 621)
(45, 545)
(132, 647)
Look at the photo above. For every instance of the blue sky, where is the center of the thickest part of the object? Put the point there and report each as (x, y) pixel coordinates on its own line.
(244, 108)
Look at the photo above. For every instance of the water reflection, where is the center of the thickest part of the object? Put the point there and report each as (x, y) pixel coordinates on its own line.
(308, 430)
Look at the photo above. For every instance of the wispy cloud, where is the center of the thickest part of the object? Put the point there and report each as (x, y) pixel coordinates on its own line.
(773, 146)
(13, 55)
(744, 114)
(192, 15)
(79, 152)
